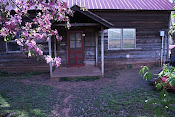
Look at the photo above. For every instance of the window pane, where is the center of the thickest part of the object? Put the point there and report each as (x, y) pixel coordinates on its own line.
(78, 40)
(79, 61)
(114, 33)
(72, 36)
(16, 36)
(114, 43)
(79, 55)
(78, 44)
(128, 43)
(13, 46)
(72, 44)
(73, 61)
(72, 55)
(128, 33)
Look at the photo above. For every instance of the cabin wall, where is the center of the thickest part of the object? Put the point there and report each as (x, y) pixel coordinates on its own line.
(61, 49)
(90, 51)
(19, 61)
(148, 42)
(2, 45)
(147, 25)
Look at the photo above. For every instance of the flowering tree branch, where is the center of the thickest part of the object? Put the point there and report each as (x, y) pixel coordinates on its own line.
(38, 28)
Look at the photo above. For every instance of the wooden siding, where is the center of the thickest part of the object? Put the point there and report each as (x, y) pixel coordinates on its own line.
(90, 48)
(2, 45)
(147, 25)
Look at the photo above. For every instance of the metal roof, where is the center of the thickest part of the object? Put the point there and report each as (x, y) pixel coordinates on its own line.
(119, 4)
(123, 4)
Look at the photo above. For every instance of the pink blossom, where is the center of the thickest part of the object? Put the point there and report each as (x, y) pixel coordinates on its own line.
(33, 43)
(28, 24)
(19, 42)
(57, 61)
(55, 32)
(25, 33)
(39, 51)
(68, 25)
(48, 59)
(53, 10)
(59, 37)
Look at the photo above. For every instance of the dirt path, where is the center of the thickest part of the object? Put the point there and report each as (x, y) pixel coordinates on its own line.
(67, 108)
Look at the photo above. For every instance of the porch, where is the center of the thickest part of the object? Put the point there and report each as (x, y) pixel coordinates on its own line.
(79, 46)
(76, 71)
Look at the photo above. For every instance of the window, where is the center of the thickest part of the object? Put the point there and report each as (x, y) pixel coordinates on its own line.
(121, 38)
(12, 46)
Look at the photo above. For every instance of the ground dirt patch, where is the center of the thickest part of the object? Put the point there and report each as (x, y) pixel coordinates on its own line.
(121, 79)
(121, 92)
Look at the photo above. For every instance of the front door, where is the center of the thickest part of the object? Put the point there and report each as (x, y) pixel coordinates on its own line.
(75, 48)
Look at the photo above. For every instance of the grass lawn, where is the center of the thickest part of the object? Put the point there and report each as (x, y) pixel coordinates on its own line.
(109, 103)
(108, 97)
(25, 100)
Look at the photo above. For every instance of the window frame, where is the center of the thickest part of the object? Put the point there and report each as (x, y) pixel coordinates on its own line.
(121, 40)
(13, 41)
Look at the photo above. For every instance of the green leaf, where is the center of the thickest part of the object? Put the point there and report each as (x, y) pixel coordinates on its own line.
(161, 95)
(38, 58)
(164, 113)
(172, 82)
(159, 86)
(150, 101)
(157, 111)
(141, 72)
(147, 76)
(167, 95)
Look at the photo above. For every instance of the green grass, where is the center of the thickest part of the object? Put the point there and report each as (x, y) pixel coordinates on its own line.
(108, 102)
(28, 74)
(26, 100)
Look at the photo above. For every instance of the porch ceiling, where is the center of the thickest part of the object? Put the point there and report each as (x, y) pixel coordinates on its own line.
(76, 72)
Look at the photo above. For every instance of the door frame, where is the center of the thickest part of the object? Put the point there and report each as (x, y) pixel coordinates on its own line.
(81, 51)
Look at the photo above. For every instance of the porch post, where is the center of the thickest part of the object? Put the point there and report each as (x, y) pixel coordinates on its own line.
(96, 41)
(169, 36)
(50, 54)
(55, 47)
(102, 51)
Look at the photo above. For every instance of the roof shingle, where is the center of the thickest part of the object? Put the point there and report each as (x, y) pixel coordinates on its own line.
(120, 4)
(123, 4)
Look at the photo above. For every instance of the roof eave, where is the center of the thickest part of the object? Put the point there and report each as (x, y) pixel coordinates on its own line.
(95, 17)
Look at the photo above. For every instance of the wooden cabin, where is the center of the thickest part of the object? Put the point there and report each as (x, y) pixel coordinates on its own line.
(105, 34)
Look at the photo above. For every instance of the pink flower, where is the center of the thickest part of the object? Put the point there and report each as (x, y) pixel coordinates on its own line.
(48, 59)
(57, 61)
(25, 33)
(28, 24)
(53, 10)
(59, 37)
(19, 42)
(39, 51)
(68, 25)
(33, 43)
(55, 32)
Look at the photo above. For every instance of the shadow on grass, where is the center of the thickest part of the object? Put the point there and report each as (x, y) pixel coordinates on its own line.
(18, 99)
(7, 74)
(78, 79)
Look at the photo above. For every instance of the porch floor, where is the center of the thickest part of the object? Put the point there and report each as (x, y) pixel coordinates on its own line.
(76, 71)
